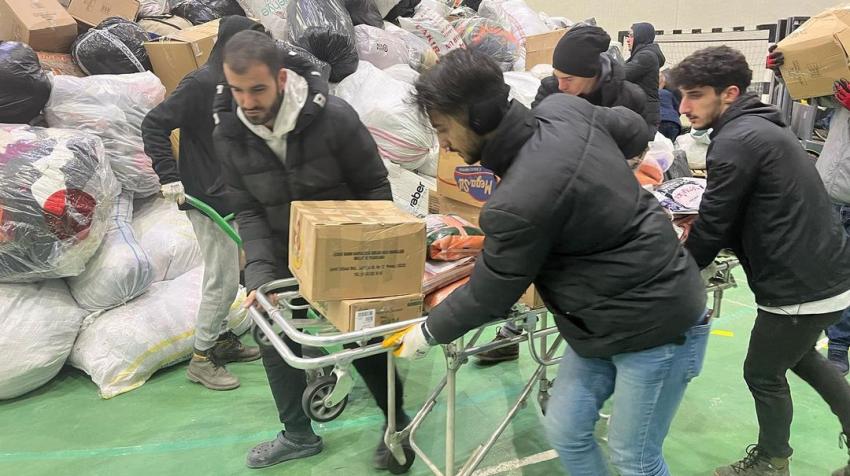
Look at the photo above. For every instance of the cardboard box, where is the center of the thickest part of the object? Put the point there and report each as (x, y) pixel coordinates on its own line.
(411, 191)
(356, 314)
(175, 143)
(355, 250)
(175, 56)
(447, 206)
(540, 48)
(92, 12)
(532, 299)
(470, 184)
(59, 64)
(42, 24)
(816, 54)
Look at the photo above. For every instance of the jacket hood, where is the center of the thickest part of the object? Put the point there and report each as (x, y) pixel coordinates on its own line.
(228, 27)
(644, 34)
(749, 105)
(499, 152)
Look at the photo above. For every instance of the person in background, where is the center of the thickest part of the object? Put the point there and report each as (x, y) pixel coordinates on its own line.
(642, 68)
(765, 201)
(671, 122)
(569, 217)
(198, 173)
(287, 140)
(834, 168)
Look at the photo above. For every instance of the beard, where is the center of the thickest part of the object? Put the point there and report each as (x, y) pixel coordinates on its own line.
(269, 115)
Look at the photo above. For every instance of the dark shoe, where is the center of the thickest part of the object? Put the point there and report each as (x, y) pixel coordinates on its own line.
(843, 443)
(280, 449)
(838, 358)
(382, 458)
(207, 371)
(502, 354)
(228, 348)
(756, 464)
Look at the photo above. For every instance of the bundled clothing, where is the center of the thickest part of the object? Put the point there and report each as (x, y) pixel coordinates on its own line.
(643, 67)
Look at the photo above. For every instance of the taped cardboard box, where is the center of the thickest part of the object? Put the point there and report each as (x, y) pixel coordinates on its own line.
(355, 250)
(92, 12)
(357, 314)
(470, 184)
(447, 206)
(176, 55)
(816, 54)
(539, 49)
(43, 24)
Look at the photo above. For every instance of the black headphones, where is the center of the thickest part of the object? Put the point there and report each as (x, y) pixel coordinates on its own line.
(486, 115)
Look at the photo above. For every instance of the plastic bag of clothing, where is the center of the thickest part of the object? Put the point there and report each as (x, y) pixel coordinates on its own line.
(120, 270)
(153, 8)
(111, 107)
(38, 325)
(364, 12)
(523, 85)
(272, 14)
(164, 25)
(167, 237)
(403, 73)
(434, 29)
(56, 196)
(403, 135)
(26, 87)
(681, 196)
(522, 20)
(203, 11)
(450, 238)
(441, 7)
(381, 48)
(419, 52)
(116, 46)
(302, 61)
(324, 28)
(660, 152)
(491, 39)
(695, 144)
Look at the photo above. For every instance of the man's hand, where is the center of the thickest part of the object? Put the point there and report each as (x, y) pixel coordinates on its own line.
(775, 60)
(842, 93)
(411, 343)
(252, 299)
(174, 192)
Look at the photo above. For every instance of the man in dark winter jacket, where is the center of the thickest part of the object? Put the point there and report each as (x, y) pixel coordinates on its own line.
(583, 68)
(286, 141)
(765, 201)
(569, 217)
(643, 66)
(198, 173)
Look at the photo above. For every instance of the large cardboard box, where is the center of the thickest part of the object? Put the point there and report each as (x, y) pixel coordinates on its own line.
(175, 56)
(43, 24)
(92, 12)
(540, 48)
(447, 206)
(355, 250)
(357, 314)
(816, 54)
(470, 184)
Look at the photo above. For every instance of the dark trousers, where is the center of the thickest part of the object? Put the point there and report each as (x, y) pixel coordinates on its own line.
(839, 334)
(781, 343)
(670, 130)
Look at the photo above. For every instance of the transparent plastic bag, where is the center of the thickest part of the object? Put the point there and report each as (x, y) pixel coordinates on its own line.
(434, 29)
(26, 87)
(490, 38)
(204, 11)
(418, 50)
(57, 192)
(324, 28)
(524, 86)
(115, 46)
(152, 8)
(111, 107)
(272, 14)
(522, 20)
(660, 152)
(381, 48)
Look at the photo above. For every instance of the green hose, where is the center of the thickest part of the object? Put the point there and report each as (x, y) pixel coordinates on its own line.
(222, 222)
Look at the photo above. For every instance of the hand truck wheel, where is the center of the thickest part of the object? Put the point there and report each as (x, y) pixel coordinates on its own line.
(313, 400)
(394, 467)
(312, 353)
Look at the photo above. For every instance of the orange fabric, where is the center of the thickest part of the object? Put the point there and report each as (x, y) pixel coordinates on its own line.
(649, 173)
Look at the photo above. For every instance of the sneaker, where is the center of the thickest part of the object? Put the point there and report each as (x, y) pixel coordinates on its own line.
(280, 449)
(838, 358)
(228, 348)
(756, 464)
(205, 370)
(382, 457)
(501, 354)
(843, 443)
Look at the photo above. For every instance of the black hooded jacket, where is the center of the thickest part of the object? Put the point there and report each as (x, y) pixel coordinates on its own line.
(643, 67)
(569, 216)
(190, 109)
(766, 202)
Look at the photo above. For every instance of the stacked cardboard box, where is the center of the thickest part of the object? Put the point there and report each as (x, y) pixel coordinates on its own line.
(44, 25)
(175, 56)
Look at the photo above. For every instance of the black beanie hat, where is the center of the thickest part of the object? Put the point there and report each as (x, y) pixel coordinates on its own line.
(578, 51)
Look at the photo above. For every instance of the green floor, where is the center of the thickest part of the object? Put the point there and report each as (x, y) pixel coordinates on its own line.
(172, 427)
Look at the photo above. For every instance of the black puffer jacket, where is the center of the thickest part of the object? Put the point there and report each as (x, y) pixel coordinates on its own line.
(765, 201)
(570, 217)
(643, 68)
(613, 89)
(330, 156)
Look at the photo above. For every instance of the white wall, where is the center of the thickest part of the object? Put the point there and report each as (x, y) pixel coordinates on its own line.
(619, 15)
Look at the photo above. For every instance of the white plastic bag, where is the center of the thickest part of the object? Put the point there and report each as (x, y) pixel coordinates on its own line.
(148, 8)
(120, 270)
(695, 144)
(418, 50)
(403, 135)
(523, 85)
(660, 152)
(433, 28)
(440, 7)
(523, 21)
(410, 190)
(379, 47)
(271, 13)
(111, 107)
(403, 73)
(542, 71)
(38, 325)
(167, 236)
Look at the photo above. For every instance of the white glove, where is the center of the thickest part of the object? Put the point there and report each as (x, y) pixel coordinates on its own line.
(174, 192)
(411, 343)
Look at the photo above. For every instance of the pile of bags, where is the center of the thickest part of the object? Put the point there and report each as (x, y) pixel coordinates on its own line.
(26, 87)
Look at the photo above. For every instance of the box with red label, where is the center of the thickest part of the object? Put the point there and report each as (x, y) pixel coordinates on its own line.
(470, 184)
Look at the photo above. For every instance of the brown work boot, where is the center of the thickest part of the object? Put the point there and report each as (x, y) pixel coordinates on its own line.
(205, 370)
(843, 443)
(228, 348)
(501, 354)
(756, 464)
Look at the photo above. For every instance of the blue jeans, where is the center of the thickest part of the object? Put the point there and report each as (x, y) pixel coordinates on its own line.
(839, 334)
(647, 388)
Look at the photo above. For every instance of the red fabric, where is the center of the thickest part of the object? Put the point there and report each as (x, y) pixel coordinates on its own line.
(68, 213)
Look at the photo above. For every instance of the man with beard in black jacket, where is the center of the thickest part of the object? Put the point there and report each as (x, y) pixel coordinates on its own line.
(287, 140)
(643, 68)
(198, 173)
(766, 202)
(569, 217)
